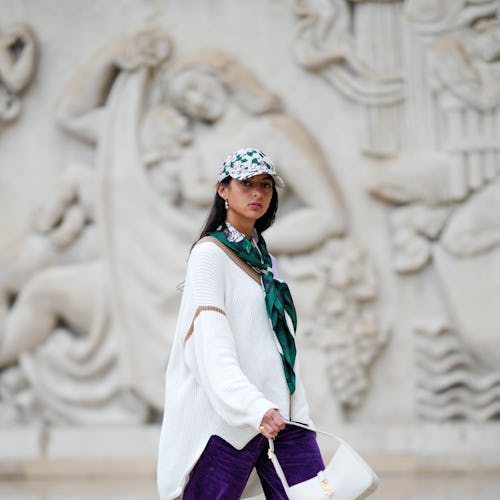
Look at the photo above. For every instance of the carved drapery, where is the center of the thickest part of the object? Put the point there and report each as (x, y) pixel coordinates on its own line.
(350, 49)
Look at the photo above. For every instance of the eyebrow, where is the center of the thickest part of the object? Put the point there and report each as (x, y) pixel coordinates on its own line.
(266, 178)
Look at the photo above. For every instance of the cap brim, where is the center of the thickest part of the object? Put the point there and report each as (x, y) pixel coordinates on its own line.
(278, 181)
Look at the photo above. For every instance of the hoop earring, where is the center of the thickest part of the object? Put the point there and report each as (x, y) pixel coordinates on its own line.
(226, 204)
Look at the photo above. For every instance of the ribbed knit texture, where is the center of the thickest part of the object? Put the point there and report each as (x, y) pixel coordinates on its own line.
(279, 303)
(223, 378)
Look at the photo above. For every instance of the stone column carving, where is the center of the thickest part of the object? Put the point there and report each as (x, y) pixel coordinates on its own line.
(357, 49)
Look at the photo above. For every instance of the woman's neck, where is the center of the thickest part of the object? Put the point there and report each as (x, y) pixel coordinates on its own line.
(244, 227)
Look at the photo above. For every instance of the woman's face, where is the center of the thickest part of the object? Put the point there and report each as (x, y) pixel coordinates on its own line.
(248, 199)
(199, 95)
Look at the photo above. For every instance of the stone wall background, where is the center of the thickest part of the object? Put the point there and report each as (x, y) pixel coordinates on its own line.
(400, 341)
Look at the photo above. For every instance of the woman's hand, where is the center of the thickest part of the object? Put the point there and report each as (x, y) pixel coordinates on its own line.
(271, 424)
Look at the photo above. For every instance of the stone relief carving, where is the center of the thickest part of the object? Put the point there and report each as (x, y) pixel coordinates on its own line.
(59, 363)
(18, 52)
(450, 384)
(89, 308)
(466, 85)
(445, 207)
(439, 16)
(74, 373)
(343, 43)
(339, 313)
(465, 65)
(462, 243)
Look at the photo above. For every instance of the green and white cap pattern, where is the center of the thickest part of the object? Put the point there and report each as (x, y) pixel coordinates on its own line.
(247, 162)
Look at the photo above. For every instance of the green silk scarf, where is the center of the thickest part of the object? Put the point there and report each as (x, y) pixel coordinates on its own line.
(278, 299)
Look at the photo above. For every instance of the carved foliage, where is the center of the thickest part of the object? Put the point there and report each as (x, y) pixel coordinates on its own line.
(341, 318)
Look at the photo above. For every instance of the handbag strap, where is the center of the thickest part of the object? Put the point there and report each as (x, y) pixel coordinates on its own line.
(279, 471)
(312, 429)
(272, 456)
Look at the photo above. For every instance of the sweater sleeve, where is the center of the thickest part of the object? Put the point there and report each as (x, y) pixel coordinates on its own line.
(299, 406)
(210, 349)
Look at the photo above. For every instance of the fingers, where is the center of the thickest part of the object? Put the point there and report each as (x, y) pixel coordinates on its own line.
(277, 420)
(268, 432)
(271, 424)
(265, 432)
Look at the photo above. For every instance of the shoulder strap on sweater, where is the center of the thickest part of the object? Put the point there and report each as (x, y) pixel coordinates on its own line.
(241, 263)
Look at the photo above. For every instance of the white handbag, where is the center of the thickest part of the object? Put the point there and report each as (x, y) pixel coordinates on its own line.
(346, 477)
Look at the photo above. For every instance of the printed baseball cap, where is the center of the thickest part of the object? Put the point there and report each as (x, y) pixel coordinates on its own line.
(247, 162)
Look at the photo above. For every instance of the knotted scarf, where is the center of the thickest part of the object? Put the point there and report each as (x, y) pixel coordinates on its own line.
(278, 299)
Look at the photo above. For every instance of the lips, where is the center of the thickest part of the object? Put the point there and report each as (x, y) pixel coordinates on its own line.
(256, 205)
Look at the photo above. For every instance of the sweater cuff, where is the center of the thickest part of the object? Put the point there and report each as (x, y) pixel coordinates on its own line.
(261, 408)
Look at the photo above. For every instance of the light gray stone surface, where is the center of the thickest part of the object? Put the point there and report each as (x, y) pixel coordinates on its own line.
(384, 120)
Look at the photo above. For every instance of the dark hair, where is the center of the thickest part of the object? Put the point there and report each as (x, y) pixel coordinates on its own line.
(217, 214)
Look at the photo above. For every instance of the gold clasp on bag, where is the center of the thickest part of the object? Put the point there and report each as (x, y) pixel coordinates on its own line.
(269, 454)
(326, 487)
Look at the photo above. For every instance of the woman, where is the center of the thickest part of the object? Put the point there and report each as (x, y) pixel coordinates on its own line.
(233, 375)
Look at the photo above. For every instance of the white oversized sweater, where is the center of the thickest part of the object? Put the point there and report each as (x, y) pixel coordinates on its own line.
(225, 371)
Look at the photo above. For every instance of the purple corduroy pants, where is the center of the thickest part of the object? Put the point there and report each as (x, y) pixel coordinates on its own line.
(222, 471)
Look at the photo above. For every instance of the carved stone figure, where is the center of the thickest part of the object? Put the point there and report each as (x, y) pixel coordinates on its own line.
(228, 107)
(460, 240)
(466, 64)
(85, 356)
(444, 193)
